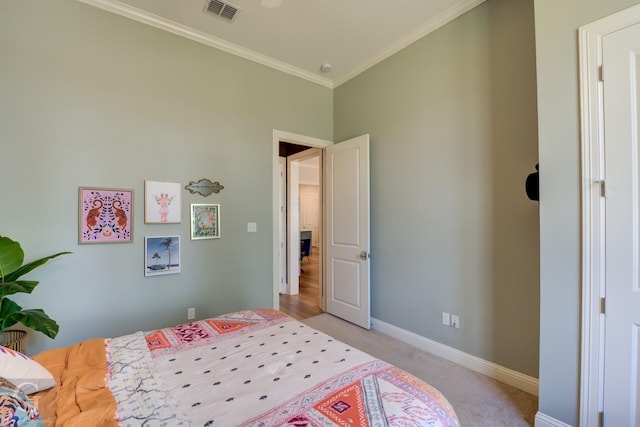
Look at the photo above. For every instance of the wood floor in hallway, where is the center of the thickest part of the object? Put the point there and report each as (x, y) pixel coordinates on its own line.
(306, 303)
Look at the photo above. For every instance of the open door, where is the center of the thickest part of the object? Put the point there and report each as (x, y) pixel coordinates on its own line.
(347, 230)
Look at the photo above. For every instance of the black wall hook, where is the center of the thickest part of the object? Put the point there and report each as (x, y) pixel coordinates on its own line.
(532, 186)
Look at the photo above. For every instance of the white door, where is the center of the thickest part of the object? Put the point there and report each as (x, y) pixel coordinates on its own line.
(621, 71)
(347, 219)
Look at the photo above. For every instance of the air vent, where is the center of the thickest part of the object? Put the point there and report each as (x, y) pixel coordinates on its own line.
(222, 9)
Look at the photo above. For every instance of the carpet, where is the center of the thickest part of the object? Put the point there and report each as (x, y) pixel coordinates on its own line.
(478, 400)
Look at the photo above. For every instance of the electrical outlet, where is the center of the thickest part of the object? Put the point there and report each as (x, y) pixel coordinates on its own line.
(191, 313)
(445, 319)
(455, 321)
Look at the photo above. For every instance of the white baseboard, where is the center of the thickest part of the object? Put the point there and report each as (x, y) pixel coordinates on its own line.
(543, 420)
(497, 372)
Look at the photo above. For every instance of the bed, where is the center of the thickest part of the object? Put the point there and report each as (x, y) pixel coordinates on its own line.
(247, 368)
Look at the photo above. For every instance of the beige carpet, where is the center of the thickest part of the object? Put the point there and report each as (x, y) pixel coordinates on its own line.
(478, 400)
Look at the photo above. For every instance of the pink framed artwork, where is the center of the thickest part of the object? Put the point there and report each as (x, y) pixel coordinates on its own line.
(105, 216)
(162, 202)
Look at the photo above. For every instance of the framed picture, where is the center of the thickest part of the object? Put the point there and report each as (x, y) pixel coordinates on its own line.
(161, 255)
(161, 202)
(105, 215)
(205, 221)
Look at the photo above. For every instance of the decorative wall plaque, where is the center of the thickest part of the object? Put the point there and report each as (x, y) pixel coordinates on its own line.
(204, 187)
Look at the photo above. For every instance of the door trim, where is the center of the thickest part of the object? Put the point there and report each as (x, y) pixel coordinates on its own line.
(294, 138)
(592, 148)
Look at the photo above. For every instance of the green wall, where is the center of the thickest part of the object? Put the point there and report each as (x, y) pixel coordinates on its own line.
(90, 98)
(557, 26)
(453, 131)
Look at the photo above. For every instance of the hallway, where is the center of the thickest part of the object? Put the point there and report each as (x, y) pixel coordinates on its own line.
(306, 303)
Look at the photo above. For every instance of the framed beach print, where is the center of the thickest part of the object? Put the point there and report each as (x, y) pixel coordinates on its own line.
(205, 221)
(161, 255)
(105, 215)
(161, 202)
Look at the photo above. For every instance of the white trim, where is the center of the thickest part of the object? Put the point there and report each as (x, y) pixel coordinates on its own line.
(592, 336)
(296, 138)
(279, 135)
(543, 420)
(428, 27)
(293, 226)
(508, 376)
(148, 18)
(156, 21)
(282, 225)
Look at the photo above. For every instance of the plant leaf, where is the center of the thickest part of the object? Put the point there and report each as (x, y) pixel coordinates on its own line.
(37, 320)
(13, 276)
(7, 308)
(11, 256)
(21, 286)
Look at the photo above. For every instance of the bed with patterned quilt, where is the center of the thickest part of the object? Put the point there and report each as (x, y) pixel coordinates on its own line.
(248, 368)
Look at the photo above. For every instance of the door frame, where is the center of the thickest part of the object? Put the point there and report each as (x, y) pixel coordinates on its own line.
(294, 138)
(282, 225)
(593, 232)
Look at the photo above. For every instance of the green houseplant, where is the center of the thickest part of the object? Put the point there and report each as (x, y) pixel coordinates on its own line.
(11, 269)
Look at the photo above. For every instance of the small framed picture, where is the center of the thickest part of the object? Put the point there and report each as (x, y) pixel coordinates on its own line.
(105, 215)
(162, 202)
(161, 255)
(205, 221)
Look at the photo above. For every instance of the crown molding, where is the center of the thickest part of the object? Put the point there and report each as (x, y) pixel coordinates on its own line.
(428, 27)
(156, 21)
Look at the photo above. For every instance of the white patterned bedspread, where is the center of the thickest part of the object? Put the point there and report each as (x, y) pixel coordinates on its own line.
(262, 368)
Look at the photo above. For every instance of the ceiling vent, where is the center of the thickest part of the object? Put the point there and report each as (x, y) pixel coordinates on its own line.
(222, 9)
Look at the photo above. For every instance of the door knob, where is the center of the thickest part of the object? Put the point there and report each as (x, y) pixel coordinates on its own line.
(364, 255)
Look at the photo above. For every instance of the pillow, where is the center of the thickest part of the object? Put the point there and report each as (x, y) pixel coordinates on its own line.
(16, 409)
(25, 373)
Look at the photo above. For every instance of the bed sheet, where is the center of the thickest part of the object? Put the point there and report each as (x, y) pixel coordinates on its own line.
(262, 368)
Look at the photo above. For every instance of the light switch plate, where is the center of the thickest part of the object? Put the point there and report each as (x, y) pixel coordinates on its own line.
(445, 319)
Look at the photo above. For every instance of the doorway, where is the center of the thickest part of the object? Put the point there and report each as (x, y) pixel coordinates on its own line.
(344, 266)
(282, 251)
(300, 214)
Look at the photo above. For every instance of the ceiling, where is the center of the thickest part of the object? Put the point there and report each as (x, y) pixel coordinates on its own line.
(300, 35)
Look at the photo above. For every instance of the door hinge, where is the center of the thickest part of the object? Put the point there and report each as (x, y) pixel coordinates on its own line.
(603, 188)
(602, 306)
(601, 419)
(600, 74)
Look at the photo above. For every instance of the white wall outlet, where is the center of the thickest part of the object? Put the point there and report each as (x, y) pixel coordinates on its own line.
(252, 227)
(445, 319)
(455, 321)
(191, 313)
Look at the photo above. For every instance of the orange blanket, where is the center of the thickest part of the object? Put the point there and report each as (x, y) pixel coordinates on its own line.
(81, 397)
